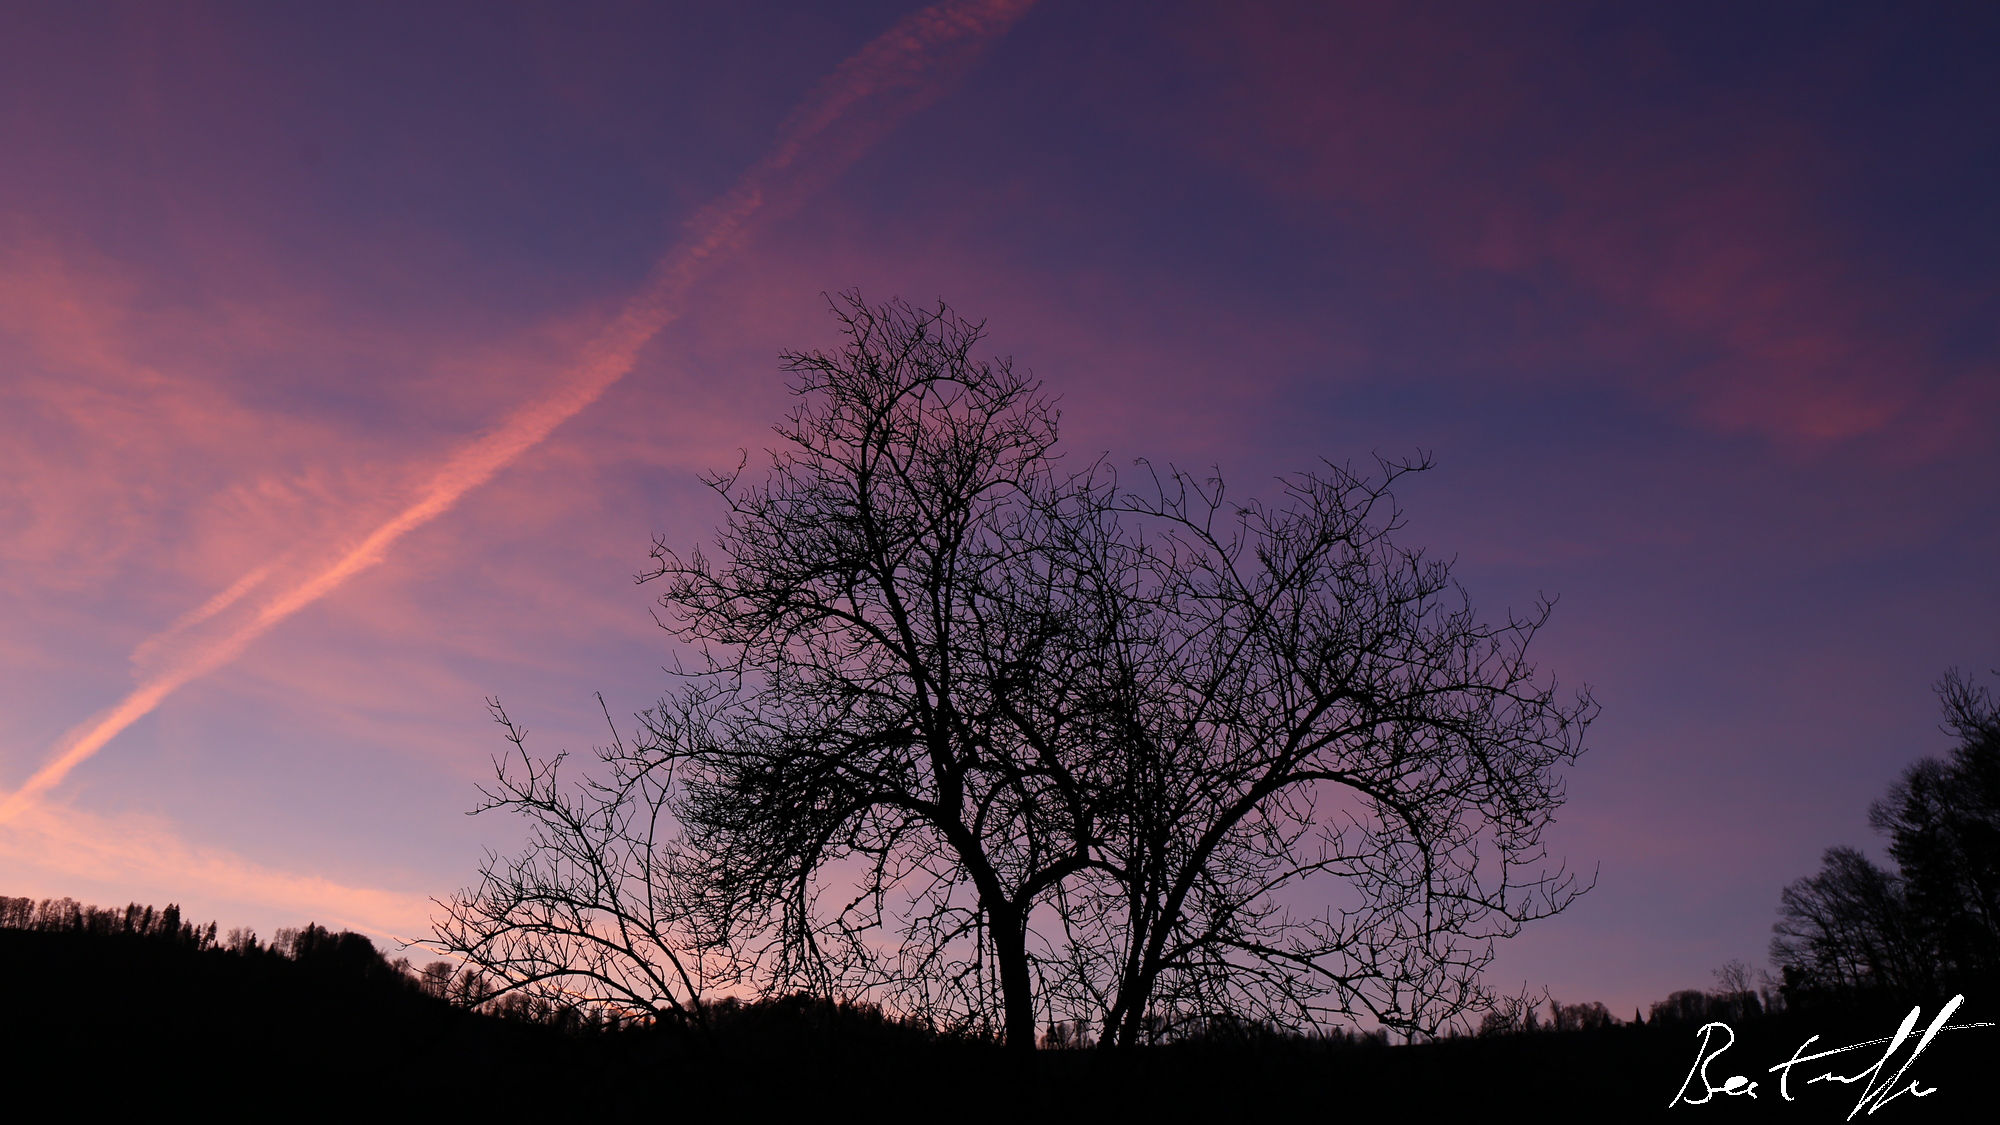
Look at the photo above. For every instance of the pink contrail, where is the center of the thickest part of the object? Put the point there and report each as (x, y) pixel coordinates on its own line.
(908, 66)
(234, 593)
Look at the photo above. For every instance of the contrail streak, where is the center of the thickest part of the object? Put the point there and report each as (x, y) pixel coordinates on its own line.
(908, 67)
(146, 650)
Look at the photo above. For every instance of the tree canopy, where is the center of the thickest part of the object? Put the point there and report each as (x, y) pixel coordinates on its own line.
(996, 741)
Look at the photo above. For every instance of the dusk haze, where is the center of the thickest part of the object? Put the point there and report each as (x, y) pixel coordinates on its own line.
(355, 357)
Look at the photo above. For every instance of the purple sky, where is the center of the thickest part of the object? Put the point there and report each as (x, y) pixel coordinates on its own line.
(1695, 304)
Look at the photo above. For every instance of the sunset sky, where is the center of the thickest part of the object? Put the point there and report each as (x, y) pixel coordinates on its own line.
(352, 355)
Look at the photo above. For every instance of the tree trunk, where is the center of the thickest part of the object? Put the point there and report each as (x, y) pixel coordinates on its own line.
(1135, 1011)
(1010, 948)
(1127, 1015)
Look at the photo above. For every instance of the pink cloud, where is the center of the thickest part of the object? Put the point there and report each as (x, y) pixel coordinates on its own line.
(1698, 228)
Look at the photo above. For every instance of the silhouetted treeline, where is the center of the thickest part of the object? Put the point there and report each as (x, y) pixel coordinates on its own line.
(1928, 926)
(66, 915)
(314, 1017)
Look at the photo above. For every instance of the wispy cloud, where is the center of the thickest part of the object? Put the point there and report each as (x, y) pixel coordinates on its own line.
(898, 73)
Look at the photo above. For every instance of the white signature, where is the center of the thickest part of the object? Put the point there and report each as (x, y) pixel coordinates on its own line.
(1879, 1085)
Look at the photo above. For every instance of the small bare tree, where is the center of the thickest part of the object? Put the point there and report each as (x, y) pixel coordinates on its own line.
(597, 915)
(1848, 928)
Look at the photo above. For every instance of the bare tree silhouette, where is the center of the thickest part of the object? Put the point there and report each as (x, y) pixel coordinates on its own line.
(1002, 745)
(597, 913)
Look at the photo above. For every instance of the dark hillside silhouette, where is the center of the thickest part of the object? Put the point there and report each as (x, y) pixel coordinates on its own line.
(318, 1019)
(147, 993)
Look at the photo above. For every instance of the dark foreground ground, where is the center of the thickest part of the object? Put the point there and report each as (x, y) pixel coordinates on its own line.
(107, 1022)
